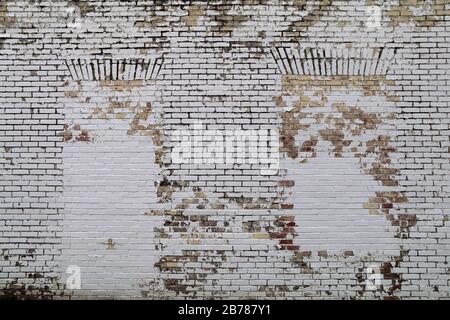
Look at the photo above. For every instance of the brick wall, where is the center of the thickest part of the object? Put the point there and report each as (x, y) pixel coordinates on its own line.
(96, 97)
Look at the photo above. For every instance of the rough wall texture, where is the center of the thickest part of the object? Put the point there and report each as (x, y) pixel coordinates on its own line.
(91, 93)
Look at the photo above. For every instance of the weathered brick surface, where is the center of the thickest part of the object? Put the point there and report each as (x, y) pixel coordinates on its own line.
(91, 93)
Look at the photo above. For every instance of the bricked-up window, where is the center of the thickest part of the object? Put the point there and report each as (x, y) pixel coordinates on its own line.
(114, 69)
(331, 61)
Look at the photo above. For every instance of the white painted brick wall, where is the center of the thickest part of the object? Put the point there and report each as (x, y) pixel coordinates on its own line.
(85, 159)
